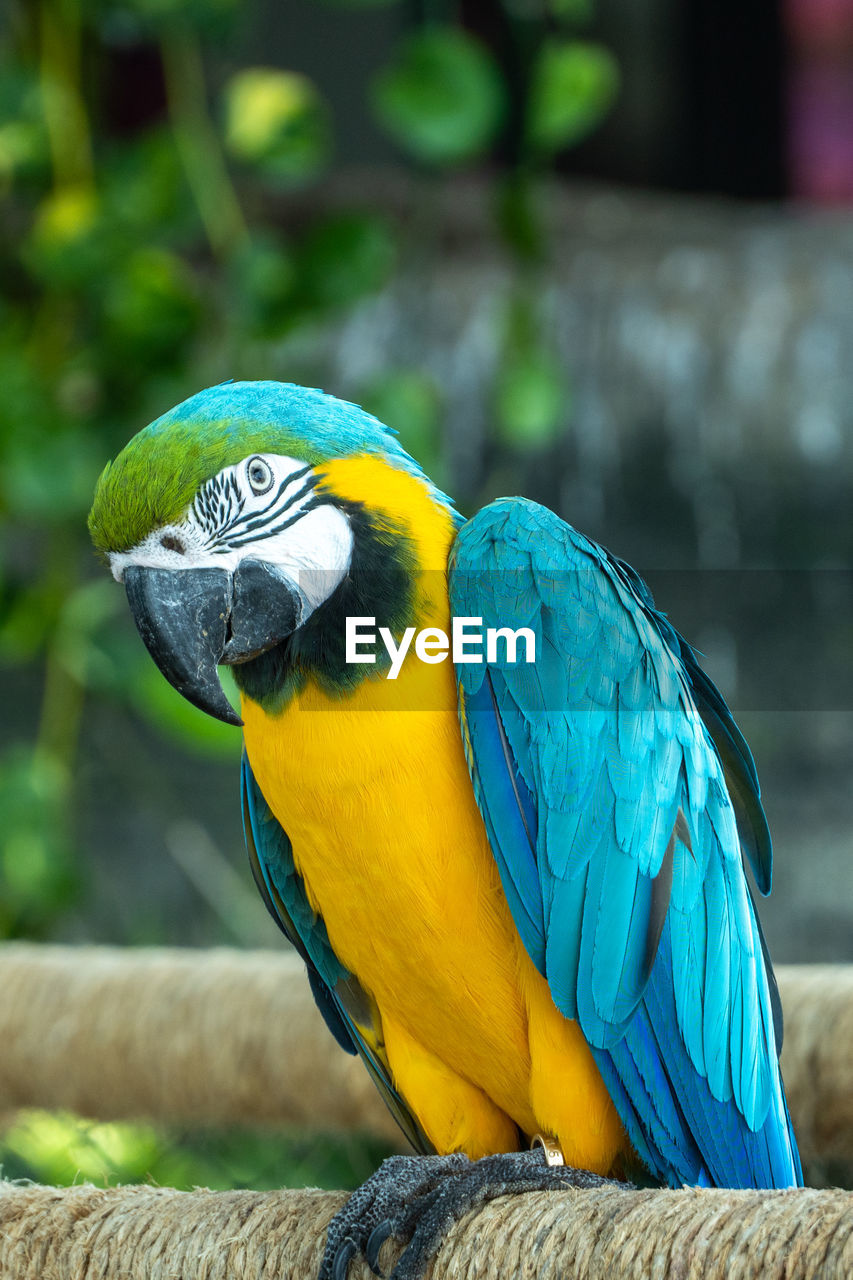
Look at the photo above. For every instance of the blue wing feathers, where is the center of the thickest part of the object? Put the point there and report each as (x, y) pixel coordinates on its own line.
(328, 1007)
(759, 1154)
(735, 755)
(627, 755)
(275, 873)
(562, 946)
(512, 813)
(671, 1113)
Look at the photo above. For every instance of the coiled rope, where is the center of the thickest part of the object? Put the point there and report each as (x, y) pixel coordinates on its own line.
(228, 1037)
(150, 1233)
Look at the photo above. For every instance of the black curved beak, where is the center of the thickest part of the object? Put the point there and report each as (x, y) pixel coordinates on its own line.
(193, 619)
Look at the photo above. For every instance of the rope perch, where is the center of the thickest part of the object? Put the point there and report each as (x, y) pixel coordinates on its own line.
(233, 1037)
(152, 1233)
(192, 1037)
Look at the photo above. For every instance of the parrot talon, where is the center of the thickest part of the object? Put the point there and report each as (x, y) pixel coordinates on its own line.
(375, 1241)
(344, 1256)
(417, 1198)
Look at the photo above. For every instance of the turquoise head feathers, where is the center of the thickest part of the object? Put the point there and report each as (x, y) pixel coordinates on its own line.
(155, 478)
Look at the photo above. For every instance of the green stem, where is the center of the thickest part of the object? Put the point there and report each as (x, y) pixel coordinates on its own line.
(61, 712)
(63, 696)
(63, 104)
(198, 143)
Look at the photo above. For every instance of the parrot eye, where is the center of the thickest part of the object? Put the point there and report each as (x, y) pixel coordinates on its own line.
(260, 475)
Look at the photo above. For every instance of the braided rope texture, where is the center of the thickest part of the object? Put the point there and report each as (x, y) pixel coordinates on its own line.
(152, 1233)
(189, 1037)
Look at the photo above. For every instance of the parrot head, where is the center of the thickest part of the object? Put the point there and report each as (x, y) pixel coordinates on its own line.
(249, 521)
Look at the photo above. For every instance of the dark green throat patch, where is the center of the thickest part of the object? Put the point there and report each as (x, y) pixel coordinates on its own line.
(380, 584)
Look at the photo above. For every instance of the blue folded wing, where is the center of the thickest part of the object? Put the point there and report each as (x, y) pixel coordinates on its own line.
(619, 797)
(349, 1012)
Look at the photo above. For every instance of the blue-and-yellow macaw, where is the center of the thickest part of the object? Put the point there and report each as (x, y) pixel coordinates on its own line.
(518, 888)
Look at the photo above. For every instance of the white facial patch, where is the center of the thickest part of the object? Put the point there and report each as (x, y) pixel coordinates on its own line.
(264, 508)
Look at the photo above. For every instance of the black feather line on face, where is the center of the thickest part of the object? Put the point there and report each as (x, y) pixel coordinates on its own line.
(269, 531)
(380, 583)
(219, 508)
(253, 521)
(215, 504)
(256, 517)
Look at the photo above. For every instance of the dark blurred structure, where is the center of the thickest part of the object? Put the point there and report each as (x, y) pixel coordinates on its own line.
(820, 98)
(703, 105)
(710, 92)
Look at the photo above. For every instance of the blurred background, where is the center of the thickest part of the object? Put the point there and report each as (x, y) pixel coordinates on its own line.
(599, 252)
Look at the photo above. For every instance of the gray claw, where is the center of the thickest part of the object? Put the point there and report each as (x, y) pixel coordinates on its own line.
(375, 1241)
(346, 1251)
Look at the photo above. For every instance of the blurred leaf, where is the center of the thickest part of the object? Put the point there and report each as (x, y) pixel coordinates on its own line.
(27, 620)
(113, 659)
(205, 15)
(408, 401)
(35, 861)
(344, 257)
(519, 217)
(28, 410)
(577, 12)
(81, 619)
(573, 86)
(78, 391)
(69, 245)
(531, 400)
(152, 305)
(66, 216)
(47, 478)
(60, 1148)
(28, 855)
(359, 4)
(143, 185)
(442, 98)
(165, 709)
(24, 147)
(278, 121)
(263, 275)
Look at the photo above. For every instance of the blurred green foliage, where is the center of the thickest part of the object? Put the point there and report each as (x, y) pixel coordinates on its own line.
(58, 1148)
(443, 97)
(573, 84)
(145, 254)
(277, 121)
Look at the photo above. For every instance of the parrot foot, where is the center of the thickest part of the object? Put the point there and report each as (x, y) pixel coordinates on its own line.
(417, 1198)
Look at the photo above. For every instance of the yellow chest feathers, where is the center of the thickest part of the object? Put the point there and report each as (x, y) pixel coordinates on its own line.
(373, 790)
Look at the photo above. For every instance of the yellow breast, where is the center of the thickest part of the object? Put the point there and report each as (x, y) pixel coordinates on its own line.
(374, 793)
(386, 834)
